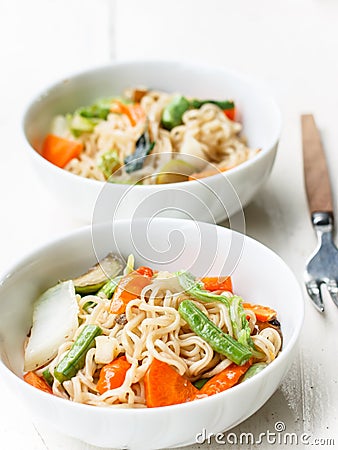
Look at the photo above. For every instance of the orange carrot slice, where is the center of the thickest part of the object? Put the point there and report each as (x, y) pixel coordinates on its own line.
(112, 375)
(34, 380)
(262, 313)
(208, 173)
(128, 289)
(60, 151)
(224, 380)
(164, 386)
(217, 283)
(134, 112)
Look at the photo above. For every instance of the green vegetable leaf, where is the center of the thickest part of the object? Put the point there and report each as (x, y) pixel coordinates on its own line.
(254, 370)
(109, 162)
(195, 288)
(142, 149)
(93, 111)
(227, 104)
(78, 124)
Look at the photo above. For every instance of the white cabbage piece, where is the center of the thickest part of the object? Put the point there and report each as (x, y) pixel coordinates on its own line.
(59, 126)
(55, 320)
(192, 152)
(167, 281)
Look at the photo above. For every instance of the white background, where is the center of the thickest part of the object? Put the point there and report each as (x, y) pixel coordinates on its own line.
(291, 45)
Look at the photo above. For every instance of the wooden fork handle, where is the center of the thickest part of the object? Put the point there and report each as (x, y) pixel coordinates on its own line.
(317, 181)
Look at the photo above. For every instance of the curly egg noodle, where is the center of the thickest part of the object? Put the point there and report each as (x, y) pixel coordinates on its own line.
(152, 329)
(206, 134)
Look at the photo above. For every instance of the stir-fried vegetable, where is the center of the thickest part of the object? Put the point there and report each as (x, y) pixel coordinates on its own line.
(145, 271)
(109, 162)
(54, 322)
(108, 341)
(130, 265)
(34, 380)
(97, 276)
(106, 349)
(133, 111)
(224, 105)
(113, 374)
(109, 288)
(208, 173)
(218, 340)
(164, 386)
(143, 147)
(217, 283)
(200, 383)
(74, 360)
(228, 106)
(60, 151)
(48, 377)
(254, 370)
(262, 313)
(85, 119)
(240, 324)
(78, 124)
(174, 171)
(196, 289)
(128, 289)
(98, 110)
(173, 112)
(224, 380)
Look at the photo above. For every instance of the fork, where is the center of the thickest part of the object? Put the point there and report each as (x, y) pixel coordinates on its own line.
(322, 267)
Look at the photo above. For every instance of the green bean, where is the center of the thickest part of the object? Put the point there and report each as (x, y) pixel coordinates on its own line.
(254, 370)
(109, 288)
(48, 377)
(218, 340)
(74, 360)
(173, 112)
(240, 325)
(200, 383)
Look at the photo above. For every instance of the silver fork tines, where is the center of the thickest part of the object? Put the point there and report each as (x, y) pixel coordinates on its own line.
(313, 289)
(323, 265)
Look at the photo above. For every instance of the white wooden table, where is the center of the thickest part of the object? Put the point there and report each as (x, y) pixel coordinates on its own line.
(290, 45)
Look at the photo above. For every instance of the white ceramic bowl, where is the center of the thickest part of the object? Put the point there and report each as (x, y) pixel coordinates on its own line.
(211, 199)
(260, 276)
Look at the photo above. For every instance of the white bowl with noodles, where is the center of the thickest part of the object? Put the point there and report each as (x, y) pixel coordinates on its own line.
(211, 199)
(162, 244)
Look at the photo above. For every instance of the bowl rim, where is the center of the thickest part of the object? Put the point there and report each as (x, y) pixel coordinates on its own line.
(254, 84)
(62, 239)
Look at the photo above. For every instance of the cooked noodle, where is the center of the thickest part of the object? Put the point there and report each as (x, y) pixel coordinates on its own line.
(153, 329)
(206, 135)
